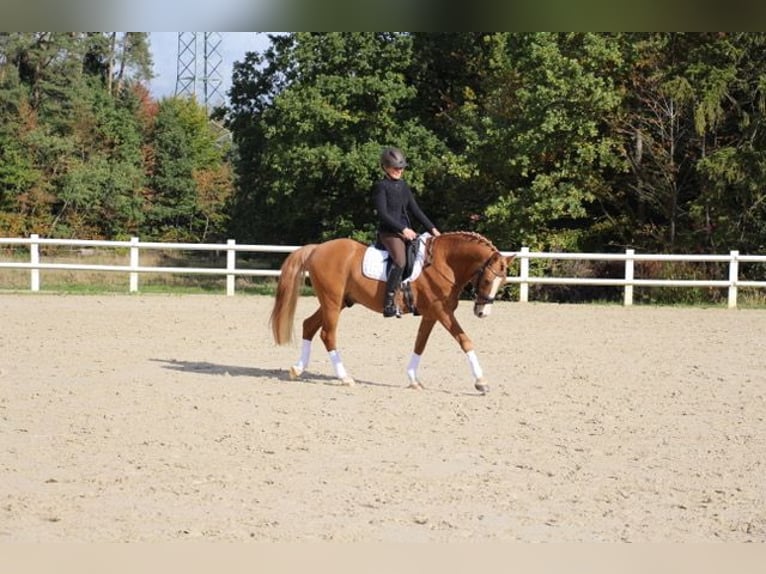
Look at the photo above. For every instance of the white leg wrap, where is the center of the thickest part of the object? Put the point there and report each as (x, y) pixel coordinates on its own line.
(303, 362)
(473, 361)
(340, 370)
(412, 368)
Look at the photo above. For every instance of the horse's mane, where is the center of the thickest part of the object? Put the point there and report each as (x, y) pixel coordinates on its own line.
(470, 236)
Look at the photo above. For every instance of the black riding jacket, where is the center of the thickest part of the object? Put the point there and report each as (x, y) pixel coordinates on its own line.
(393, 202)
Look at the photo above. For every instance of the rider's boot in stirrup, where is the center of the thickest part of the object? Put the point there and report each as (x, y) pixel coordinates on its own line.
(393, 281)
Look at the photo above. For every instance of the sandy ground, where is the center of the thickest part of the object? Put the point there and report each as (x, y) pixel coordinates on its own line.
(162, 418)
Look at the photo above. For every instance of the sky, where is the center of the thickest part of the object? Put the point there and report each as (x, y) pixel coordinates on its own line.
(164, 46)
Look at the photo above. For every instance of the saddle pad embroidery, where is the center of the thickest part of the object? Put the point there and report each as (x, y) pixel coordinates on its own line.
(375, 260)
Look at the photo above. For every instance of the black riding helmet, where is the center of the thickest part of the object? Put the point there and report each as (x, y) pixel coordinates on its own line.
(393, 157)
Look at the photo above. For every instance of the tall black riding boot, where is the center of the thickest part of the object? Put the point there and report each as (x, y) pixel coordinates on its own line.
(393, 281)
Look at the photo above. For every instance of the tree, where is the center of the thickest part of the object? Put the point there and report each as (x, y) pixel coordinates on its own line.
(691, 135)
(313, 114)
(18, 174)
(730, 210)
(544, 148)
(72, 153)
(118, 58)
(41, 74)
(100, 189)
(455, 76)
(188, 176)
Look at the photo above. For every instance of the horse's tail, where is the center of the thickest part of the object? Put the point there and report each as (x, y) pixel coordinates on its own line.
(288, 289)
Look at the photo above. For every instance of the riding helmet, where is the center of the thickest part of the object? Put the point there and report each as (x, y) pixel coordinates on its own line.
(393, 157)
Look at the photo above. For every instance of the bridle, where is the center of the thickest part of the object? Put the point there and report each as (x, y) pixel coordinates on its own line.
(478, 299)
(482, 299)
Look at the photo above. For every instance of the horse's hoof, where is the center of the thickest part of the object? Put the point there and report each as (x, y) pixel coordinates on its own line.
(481, 386)
(347, 382)
(295, 372)
(416, 385)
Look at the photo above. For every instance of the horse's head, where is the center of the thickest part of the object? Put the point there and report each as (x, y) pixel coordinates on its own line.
(488, 280)
(462, 257)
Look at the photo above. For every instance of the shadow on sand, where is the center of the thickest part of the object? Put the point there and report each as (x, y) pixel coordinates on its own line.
(205, 368)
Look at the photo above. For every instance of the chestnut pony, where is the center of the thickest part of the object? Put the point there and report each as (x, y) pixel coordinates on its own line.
(335, 270)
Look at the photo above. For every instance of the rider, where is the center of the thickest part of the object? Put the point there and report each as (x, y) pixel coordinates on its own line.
(393, 201)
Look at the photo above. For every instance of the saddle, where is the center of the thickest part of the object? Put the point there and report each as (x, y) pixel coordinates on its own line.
(411, 252)
(376, 261)
(376, 264)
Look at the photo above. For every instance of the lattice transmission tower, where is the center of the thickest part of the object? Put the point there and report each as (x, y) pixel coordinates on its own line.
(200, 77)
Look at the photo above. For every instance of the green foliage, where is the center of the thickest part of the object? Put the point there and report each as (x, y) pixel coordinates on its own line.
(573, 141)
(561, 141)
(189, 186)
(547, 149)
(690, 125)
(85, 153)
(323, 132)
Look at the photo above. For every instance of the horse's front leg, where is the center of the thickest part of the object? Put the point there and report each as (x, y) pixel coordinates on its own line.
(424, 331)
(453, 326)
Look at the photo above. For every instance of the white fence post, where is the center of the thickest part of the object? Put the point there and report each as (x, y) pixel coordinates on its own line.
(524, 275)
(733, 278)
(134, 251)
(231, 265)
(34, 259)
(629, 266)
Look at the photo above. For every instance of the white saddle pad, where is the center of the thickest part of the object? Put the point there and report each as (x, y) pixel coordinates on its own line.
(375, 261)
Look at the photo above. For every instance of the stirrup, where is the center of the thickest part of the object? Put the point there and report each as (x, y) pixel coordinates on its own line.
(392, 311)
(390, 308)
(409, 300)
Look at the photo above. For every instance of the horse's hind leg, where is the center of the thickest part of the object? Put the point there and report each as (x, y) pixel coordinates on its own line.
(424, 331)
(310, 326)
(329, 338)
(328, 322)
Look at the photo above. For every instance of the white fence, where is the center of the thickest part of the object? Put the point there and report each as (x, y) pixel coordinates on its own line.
(134, 268)
(523, 279)
(731, 283)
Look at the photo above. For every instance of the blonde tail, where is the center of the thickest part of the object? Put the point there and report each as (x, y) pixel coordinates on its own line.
(288, 290)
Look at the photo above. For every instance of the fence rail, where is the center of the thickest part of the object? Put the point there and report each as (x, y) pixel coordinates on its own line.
(133, 268)
(629, 281)
(524, 279)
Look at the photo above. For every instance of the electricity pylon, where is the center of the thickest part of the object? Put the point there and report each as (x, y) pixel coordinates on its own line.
(200, 78)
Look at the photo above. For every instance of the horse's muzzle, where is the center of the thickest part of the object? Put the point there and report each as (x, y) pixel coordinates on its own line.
(483, 306)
